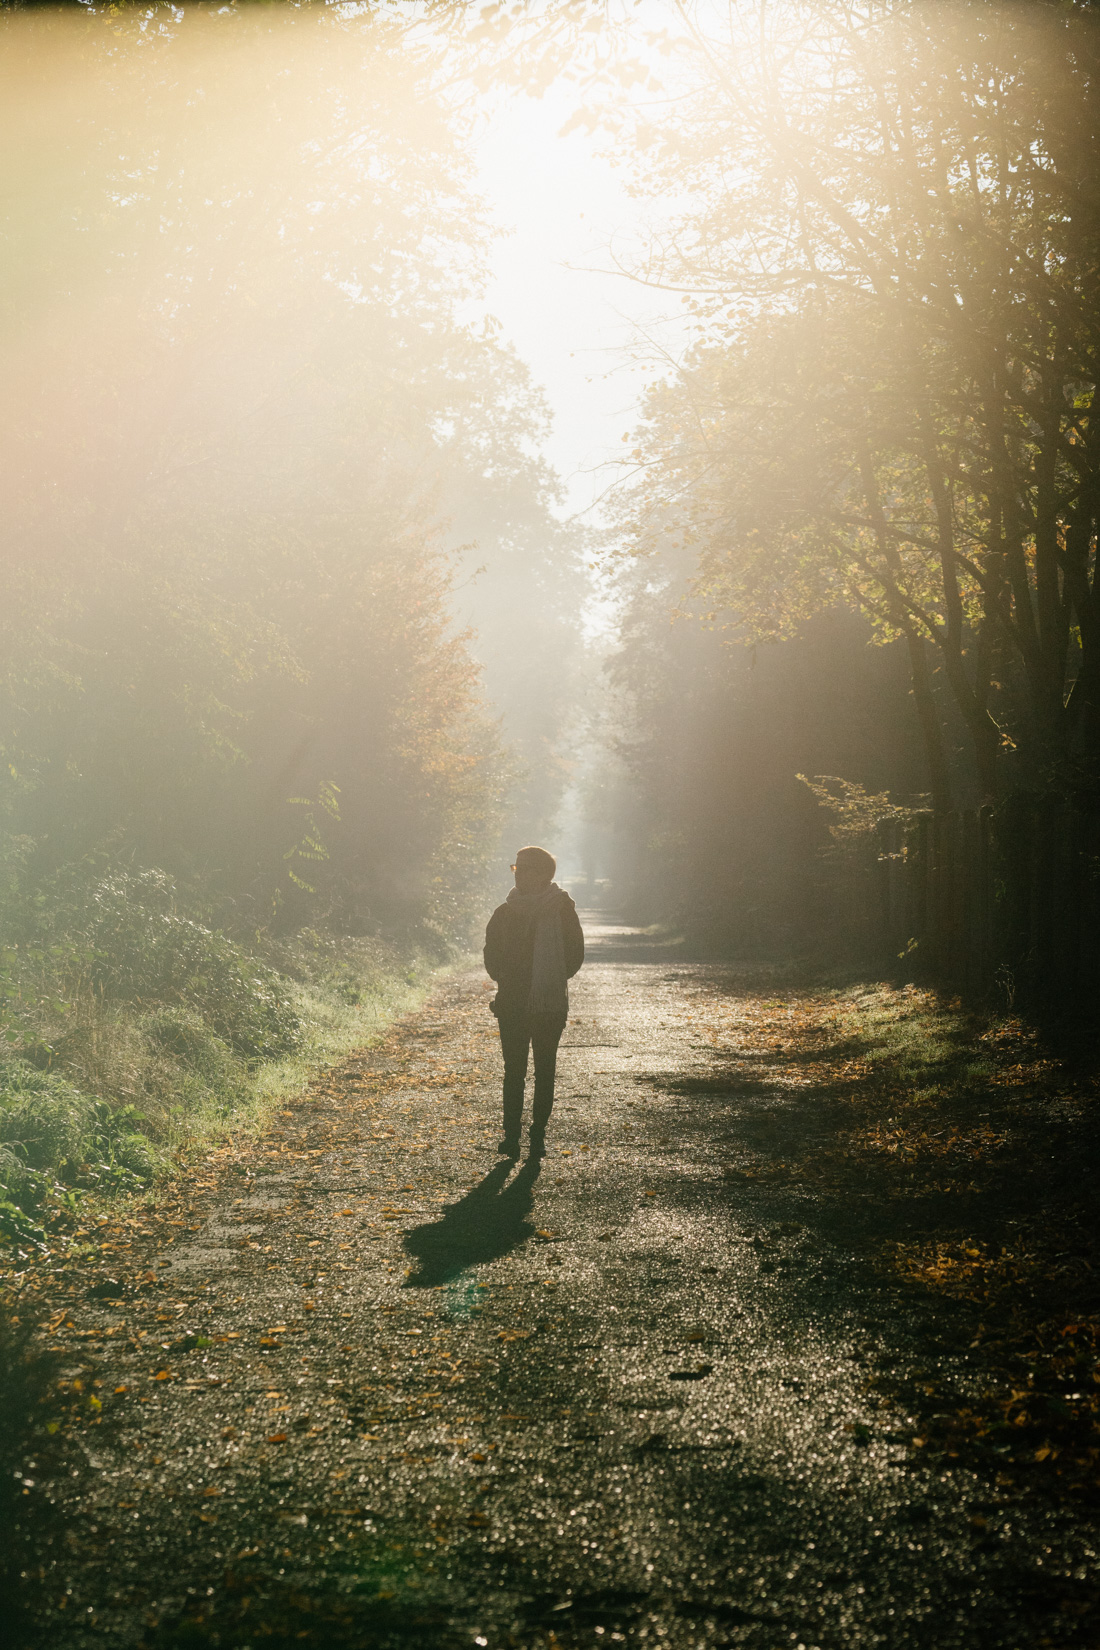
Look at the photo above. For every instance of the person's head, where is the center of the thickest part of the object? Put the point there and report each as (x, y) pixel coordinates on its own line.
(534, 869)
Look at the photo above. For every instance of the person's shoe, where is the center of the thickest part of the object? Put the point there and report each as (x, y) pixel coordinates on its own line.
(536, 1144)
(508, 1148)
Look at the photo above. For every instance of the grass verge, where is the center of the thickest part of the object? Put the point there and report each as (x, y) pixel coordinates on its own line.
(106, 1092)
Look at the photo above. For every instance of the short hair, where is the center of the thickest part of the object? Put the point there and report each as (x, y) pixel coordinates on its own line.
(537, 859)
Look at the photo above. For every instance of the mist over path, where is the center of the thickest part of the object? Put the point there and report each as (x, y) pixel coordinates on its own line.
(383, 1389)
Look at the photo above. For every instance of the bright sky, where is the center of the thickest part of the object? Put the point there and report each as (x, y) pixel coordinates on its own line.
(569, 212)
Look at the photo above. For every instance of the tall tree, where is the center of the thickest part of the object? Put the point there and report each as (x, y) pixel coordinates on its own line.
(240, 403)
(891, 251)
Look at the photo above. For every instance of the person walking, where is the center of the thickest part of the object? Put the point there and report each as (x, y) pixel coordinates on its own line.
(533, 946)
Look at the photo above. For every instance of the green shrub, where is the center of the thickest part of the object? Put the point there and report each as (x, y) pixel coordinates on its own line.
(44, 1121)
(205, 1069)
(25, 1187)
(20, 1227)
(138, 948)
(51, 1133)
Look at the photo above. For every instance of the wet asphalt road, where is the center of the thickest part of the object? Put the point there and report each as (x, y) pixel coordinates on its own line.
(618, 1397)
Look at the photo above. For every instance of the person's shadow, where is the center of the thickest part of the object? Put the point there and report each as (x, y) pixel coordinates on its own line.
(488, 1222)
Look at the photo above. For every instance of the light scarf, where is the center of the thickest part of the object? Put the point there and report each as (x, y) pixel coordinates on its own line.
(549, 990)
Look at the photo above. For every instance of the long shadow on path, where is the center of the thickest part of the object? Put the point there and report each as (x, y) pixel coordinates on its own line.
(490, 1221)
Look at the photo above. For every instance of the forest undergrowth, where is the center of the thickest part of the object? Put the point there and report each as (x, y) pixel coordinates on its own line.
(136, 1032)
(959, 1153)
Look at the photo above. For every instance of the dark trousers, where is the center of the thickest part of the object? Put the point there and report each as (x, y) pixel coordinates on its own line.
(540, 1033)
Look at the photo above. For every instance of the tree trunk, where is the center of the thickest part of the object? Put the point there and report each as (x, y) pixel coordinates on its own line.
(935, 752)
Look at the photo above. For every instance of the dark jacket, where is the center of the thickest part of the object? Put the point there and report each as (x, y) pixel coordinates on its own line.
(510, 953)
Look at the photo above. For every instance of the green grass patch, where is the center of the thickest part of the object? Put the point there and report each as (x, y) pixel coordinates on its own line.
(925, 1045)
(134, 1032)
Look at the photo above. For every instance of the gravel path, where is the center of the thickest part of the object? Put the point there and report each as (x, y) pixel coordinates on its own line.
(392, 1391)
